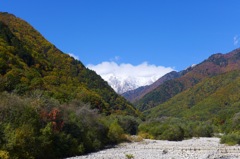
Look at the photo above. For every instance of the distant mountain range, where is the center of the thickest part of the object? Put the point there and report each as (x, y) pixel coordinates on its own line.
(138, 93)
(215, 65)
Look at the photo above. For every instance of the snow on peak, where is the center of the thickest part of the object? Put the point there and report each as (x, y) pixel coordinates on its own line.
(125, 77)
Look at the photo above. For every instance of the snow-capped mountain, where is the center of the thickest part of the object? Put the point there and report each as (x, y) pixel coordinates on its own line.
(121, 85)
(124, 77)
(124, 84)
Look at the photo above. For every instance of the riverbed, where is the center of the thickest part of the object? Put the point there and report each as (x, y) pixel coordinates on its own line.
(195, 148)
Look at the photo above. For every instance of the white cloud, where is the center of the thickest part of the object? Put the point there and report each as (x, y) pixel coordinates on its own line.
(128, 74)
(236, 39)
(74, 56)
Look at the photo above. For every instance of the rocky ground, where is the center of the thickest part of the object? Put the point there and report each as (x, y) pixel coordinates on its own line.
(196, 148)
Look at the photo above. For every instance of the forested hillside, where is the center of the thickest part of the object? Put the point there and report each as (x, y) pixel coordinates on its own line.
(203, 102)
(51, 105)
(214, 65)
(29, 62)
(213, 99)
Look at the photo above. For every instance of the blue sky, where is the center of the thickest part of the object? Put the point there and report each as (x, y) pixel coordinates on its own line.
(169, 33)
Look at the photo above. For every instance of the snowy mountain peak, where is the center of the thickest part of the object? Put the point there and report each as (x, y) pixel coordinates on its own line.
(124, 77)
(121, 85)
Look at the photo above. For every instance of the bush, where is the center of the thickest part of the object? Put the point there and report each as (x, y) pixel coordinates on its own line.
(129, 124)
(151, 130)
(203, 130)
(115, 133)
(231, 139)
(173, 133)
(129, 156)
(166, 130)
(39, 127)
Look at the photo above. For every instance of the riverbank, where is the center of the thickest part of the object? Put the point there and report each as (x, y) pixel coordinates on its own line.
(196, 148)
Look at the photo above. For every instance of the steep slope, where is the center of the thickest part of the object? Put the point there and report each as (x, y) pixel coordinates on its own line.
(28, 62)
(215, 99)
(138, 93)
(214, 65)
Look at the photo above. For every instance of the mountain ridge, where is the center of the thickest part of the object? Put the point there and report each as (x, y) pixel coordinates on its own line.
(138, 93)
(211, 98)
(216, 64)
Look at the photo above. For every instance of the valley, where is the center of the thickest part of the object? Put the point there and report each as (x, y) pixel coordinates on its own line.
(53, 106)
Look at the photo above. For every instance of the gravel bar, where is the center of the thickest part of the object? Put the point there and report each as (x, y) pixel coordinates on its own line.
(195, 148)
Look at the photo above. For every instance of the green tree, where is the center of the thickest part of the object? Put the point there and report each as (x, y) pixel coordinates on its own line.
(173, 133)
(115, 133)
